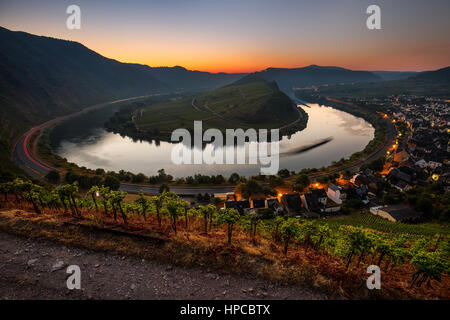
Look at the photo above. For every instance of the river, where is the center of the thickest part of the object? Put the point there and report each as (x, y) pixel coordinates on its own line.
(84, 142)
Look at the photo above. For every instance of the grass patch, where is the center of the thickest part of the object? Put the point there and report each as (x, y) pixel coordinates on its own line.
(370, 221)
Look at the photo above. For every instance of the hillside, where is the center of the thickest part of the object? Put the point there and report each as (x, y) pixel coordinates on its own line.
(395, 75)
(42, 77)
(180, 78)
(315, 76)
(430, 83)
(248, 103)
(433, 77)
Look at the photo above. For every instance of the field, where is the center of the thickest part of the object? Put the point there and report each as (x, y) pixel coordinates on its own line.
(257, 104)
(383, 89)
(332, 258)
(373, 222)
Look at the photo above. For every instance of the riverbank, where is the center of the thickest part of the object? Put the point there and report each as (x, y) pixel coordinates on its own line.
(255, 104)
(288, 154)
(45, 153)
(385, 136)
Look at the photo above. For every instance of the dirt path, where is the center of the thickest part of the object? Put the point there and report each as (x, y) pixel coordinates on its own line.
(29, 269)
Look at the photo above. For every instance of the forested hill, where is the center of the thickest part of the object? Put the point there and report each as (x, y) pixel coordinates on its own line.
(429, 83)
(315, 76)
(42, 77)
(180, 78)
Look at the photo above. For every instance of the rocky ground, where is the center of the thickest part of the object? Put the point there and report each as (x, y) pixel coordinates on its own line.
(31, 269)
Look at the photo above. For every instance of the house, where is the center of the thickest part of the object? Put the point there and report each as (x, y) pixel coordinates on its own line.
(331, 207)
(397, 213)
(315, 200)
(240, 205)
(360, 191)
(398, 174)
(433, 165)
(400, 116)
(402, 186)
(230, 196)
(336, 193)
(374, 210)
(422, 164)
(401, 156)
(259, 203)
(364, 178)
(291, 203)
(272, 203)
(225, 196)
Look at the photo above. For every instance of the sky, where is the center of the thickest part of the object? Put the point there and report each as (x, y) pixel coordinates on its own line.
(248, 35)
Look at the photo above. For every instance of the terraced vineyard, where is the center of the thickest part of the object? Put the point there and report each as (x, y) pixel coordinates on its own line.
(256, 104)
(337, 250)
(371, 221)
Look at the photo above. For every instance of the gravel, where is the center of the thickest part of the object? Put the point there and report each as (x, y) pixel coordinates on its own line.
(31, 269)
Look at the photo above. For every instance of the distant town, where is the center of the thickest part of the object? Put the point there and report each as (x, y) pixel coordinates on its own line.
(417, 159)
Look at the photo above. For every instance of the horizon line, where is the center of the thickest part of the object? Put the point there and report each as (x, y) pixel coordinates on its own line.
(216, 71)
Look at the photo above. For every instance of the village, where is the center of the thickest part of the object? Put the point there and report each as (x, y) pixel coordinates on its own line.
(390, 187)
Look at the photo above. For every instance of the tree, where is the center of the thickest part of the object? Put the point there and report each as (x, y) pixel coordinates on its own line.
(139, 178)
(249, 188)
(383, 248)
(143, 203)
(208, 213)
(429, 266)
(229, 217)
(5, 188)
(212, 213)
(105, 193)
(30, 194)
(112, 182)
(15, 188)
(163, 187)
(254, 220)
(94, 191)
(53, 177)
(234, 178)
(323, 231)
(162, 175)
(358, 241)
(276, 228)
(301, 182)
(158, 202)
(61, 193)
(184, 205)
(284, 173)
(172, 207)
(72, 192)
(289, 229)
(116, 199)
(346, 174)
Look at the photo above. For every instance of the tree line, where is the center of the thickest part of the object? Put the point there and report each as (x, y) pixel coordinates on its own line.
(354, 246)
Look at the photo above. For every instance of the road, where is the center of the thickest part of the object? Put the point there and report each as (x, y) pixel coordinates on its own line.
(36, 168)
(381, 152)
(29, 161)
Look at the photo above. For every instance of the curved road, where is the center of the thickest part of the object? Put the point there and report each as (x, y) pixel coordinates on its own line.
(22, 156)
(388, 142)
(36, 168)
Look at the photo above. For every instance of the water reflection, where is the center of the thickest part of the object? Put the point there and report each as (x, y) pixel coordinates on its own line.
(95, 148)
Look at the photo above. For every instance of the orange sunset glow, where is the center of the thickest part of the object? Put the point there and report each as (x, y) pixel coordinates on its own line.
(247, 36)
